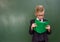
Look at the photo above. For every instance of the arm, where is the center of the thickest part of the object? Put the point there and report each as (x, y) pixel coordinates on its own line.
(31, 31)
(48, 29)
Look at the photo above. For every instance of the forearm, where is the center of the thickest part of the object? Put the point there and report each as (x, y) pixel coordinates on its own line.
(31, 30)
(49, 30)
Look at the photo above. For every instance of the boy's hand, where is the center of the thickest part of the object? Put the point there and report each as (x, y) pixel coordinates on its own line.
(48, 28)
(33, 25)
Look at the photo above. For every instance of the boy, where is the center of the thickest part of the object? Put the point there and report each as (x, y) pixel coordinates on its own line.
(39, 27)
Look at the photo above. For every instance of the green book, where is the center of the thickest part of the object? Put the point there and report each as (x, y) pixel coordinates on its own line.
(41, 26)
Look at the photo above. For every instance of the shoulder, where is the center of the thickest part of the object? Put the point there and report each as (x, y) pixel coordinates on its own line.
(45, 19)
(32, 20)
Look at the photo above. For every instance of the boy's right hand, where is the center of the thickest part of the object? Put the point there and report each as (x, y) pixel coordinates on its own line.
(33, 25)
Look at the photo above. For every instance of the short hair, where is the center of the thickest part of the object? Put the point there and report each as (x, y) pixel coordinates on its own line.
(39, 8)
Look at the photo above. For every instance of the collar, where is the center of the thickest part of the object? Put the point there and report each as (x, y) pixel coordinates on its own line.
(40, 20)
(37, 18)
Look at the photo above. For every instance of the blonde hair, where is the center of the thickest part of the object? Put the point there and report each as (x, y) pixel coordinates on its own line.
(39, 8)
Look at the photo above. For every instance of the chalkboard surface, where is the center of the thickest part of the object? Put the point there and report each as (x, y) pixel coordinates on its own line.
(15, 16)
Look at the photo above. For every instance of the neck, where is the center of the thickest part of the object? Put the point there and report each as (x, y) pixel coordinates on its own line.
(41, 19)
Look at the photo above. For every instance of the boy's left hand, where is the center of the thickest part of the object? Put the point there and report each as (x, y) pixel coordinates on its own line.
(48, 28)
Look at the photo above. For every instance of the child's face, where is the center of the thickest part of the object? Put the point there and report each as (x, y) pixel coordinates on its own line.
(40, 15)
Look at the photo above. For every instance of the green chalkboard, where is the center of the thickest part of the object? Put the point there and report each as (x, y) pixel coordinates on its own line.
(15, 16)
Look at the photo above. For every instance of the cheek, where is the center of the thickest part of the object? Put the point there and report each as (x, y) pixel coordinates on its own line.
(41, 13)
